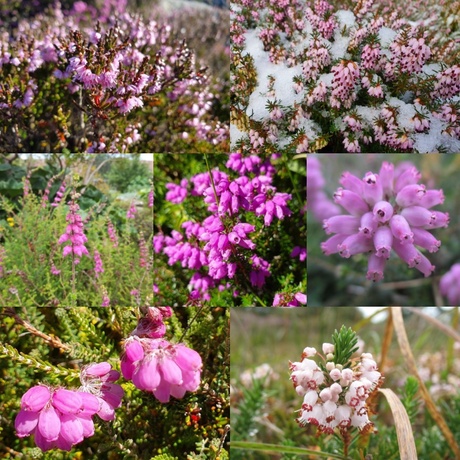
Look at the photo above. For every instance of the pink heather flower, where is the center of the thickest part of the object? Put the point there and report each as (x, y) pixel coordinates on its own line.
(59, 195)
(98, 380)
(74, 233)
(98, 263)
(290, 300)
(177, 193)
(57, 417)
(105, 301)
(334, 398)
(162, 368)
(386, 211)
(151, 199)
(131, 213)
(54, 270)
(299, 252)
(318, 203)
(449, 285)
(112, 234)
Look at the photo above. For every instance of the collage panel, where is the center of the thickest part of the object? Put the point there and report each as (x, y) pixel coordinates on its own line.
(76, 230)
(345, 383)
(330, 76)
(383, 230)
(106, 76)
(112, 383)
(229, 230)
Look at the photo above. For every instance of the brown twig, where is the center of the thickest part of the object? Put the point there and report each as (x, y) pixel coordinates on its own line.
(53, 341)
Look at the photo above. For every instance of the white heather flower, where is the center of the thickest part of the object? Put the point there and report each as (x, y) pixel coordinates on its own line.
(328, 348)
(309, 351)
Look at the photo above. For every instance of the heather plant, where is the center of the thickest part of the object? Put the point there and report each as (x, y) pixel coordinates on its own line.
(341, 406)
(57, 253)
(313, 77)
(233, 230)
(387, 223)
(124, 84)
(66, 395)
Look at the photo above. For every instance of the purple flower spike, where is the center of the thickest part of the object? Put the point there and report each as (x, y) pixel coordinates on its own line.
(386, 211)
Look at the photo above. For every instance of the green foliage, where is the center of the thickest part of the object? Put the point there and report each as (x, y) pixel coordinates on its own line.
(143, 429)
(345, 344)
(128, 174)
(246, 413)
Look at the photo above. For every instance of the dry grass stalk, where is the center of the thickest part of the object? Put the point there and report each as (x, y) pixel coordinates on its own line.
(406, 442)
(406, 351)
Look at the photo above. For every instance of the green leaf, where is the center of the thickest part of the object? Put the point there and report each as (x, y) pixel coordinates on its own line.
(281, 449)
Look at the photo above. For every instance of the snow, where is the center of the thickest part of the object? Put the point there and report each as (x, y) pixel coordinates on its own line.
(429, 143)
(283, 86)
(368, 114)
(386, 36)
(339, 46)
(235, 134)
(406, 112)
(346, 18)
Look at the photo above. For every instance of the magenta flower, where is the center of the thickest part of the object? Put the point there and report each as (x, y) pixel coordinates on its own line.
(98, 380)
(386, 211)
(449, 285)
(318, 203)
(58, 418)
(98, 263)
(74, 233)
(112, 234)
(131, 213)
(151, 199)
(59, 195)
(162, 368)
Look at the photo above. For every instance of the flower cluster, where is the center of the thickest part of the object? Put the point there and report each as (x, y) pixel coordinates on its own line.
(290, 300)
(386, 211)
(334, 395)
(60, 418)
(74, 233)
(372, 78)
(222, 245)
(128, 68)
(156, 365)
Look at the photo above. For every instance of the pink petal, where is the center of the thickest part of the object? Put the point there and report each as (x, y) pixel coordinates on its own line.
(178, 391)
(35, 398)
(106, 412)
(187, 359)
(63, 444)
(90, 404)
(171, 371)
(147, 376)
(99, 369)
(71, 429)
(88, 425)
(42, 442)
(25, 422)
(163, 391)
(67, 250)
(127, 368)
(49, 424)
(67, 402)
(134, 351)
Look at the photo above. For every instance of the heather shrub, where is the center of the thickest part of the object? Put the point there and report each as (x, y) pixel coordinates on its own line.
(102, 79)
(54, 348)
(395, 397)
(73, 245)
(407, 256)
(229, 230)
(312, 77)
